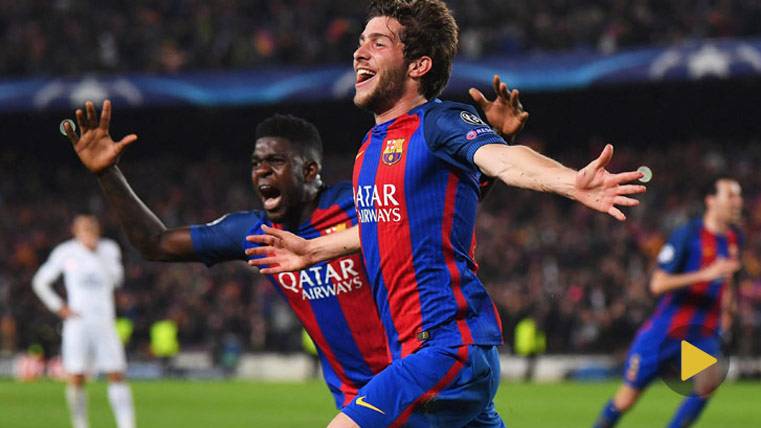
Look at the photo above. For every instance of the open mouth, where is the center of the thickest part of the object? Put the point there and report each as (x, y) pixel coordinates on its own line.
(271, 197)
(364, 75)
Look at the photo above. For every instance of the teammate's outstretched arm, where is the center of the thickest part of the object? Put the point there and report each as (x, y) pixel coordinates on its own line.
(100, 154)
(592, 186)
(282, 251)
(505, 113)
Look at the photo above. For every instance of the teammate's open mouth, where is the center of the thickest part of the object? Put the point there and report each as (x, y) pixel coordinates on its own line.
(363, 75)
(271, 197)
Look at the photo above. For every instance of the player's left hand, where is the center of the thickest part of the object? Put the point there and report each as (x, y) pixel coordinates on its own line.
(505, 113)
(600, 190)
(65, 313)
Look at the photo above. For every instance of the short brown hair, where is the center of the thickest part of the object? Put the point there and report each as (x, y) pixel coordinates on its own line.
(429, 29)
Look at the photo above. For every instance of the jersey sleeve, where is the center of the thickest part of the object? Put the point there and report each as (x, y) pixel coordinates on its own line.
(455, 132)
(256, 229)
(345, 199)
(674, 253)
(223, 239)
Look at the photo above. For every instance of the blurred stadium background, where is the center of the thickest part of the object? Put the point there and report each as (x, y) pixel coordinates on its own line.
(674, 84)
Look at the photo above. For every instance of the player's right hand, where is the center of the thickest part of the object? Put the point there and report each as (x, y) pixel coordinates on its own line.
(65, 313)
(722, 268)
(278, 251)
(94, 145)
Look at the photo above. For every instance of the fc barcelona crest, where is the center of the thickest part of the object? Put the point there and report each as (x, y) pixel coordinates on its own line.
(393, 151)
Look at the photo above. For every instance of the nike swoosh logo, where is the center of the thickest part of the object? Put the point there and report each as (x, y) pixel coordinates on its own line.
(361, 402)
(359, 154)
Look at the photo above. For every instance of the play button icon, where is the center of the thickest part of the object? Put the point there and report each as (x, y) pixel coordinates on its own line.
(694, 360)
(690, 359)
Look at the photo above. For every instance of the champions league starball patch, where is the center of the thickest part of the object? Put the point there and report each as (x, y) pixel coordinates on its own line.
(471, 118)
(393, 151)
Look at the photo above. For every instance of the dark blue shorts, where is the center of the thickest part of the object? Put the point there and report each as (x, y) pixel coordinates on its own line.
(436, 386)
(649, 355)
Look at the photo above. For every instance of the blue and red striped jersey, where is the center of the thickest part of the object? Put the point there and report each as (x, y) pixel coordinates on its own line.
(333, 299)
(416, 190)
(696, 307)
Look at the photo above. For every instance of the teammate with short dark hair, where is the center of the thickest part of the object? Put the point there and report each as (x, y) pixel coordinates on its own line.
(416, 189)
(333, 300)
(693, 283)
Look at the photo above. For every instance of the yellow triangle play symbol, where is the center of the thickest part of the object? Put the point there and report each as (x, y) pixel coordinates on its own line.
(694, 360)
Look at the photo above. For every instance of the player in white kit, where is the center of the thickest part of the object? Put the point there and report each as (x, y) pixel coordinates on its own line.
(91, 268)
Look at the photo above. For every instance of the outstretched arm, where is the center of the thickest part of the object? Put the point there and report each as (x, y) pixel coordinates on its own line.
(100, 154)
(282, 251)
(592, 186)
(505, 114)
(663, 282)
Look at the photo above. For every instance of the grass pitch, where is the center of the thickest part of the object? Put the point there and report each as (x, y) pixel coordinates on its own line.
(295, 405)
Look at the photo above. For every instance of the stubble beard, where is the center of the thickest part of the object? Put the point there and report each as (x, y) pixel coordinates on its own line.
(386, 94)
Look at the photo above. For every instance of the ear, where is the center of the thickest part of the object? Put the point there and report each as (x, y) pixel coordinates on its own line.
(419, 67)
(311, 171)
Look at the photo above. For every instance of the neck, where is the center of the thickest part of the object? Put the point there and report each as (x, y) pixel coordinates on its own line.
(713, 224)
(89, 246)
(308, 205)
(405, 104)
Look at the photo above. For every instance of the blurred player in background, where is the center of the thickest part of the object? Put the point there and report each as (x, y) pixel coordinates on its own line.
(91, 268)
(333, 301)
(693, 282)
(416, 189)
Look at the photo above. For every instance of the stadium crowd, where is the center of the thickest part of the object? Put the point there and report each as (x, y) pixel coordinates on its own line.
(581, 276)
(169, 36)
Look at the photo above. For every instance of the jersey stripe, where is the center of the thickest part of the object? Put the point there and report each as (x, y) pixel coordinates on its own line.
(395, 244)
(708, 250)
(712, 318)
(363, 322)
(449, 257)
(472, 251)
(498, 318)
(310, 312)
(370, 252)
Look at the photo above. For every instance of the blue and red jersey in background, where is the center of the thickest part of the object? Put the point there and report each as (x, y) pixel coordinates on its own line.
(416, 190)
(690, 249)
(333, 299)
